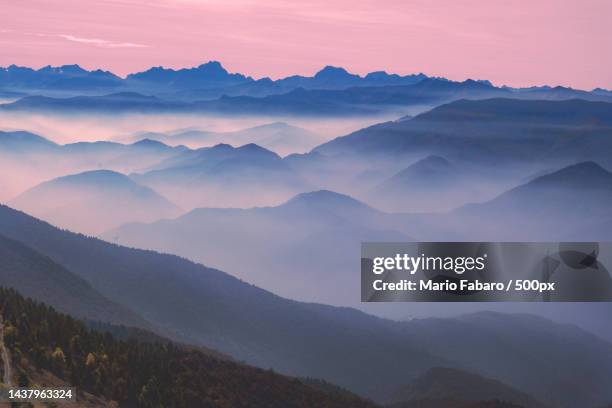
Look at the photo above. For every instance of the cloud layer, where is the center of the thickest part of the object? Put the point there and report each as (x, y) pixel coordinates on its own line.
(99, 42)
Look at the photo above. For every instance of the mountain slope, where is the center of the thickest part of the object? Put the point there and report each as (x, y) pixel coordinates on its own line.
(571, 203)
(208, 75)
(20, 142)
(538, 340)
(22, 156)
(486, 132)
(324, 223)
(344, 101)
(452, 403)
(224, 176)
(277, 136)
(94, 201)
(37, 276)
(431, 184)
(463, 387)
(588, 178)
(136, 373)
(204, 306)
(424, 173)
(208, 307)
(31, 159)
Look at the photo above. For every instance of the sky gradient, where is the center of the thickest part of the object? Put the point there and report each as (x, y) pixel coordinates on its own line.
(512, 42)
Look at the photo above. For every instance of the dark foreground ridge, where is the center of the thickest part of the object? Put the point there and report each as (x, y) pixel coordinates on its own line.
(144, 374)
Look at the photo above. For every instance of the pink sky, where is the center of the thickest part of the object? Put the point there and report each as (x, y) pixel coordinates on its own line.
(513, 42)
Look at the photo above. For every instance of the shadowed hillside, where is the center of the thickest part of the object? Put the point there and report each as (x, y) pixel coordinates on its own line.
(142, 374)
(446, 385)
(39, 277)
(492, 132)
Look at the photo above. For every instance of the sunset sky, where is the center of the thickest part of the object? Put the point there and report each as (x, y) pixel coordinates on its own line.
(512, 42)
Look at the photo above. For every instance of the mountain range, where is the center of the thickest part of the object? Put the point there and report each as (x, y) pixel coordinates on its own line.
(280, 137)
(431, 184)
(205, 80)
(569, 204)
(517, 165)
(223, 175)
(209, 88)
(325, 223)
(466, 149)
(219, 175)
(32, 159)
(333, 225)
(491, 131)
(65, 77)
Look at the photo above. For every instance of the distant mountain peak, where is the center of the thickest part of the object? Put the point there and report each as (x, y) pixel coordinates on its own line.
(277, 124)
(220, 147)
(331, 72)
(22, 136)
(131, 95)
(427, 167)
(14, 67)
(252, 147)
(377, 75)
(72, 69)
(384, 75)
(581, 175)
(147, 142)
(92, 178)
(322, 195)
(274, 126)
(247, 148)
(327, 199)
(579, 194)
(255, 150)
(63, 69)
(431, 171)
(95, 175)
(433, 160)
(478, 82)
(589, 166)
(212, 66)
(99, 179)
(250, 150)
(211, 73)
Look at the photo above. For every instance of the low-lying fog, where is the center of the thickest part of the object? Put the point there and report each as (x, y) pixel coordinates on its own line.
(72, 128)
(307, 249)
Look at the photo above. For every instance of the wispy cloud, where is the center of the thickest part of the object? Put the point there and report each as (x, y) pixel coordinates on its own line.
(97, 42)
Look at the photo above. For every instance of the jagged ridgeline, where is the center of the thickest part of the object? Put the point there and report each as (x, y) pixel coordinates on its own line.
(47, 346)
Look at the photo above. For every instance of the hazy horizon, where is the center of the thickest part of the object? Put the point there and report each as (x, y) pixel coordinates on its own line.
(509, 43)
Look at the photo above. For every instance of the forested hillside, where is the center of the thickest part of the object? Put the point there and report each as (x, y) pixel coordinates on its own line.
(452, 403)
(134, 373)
